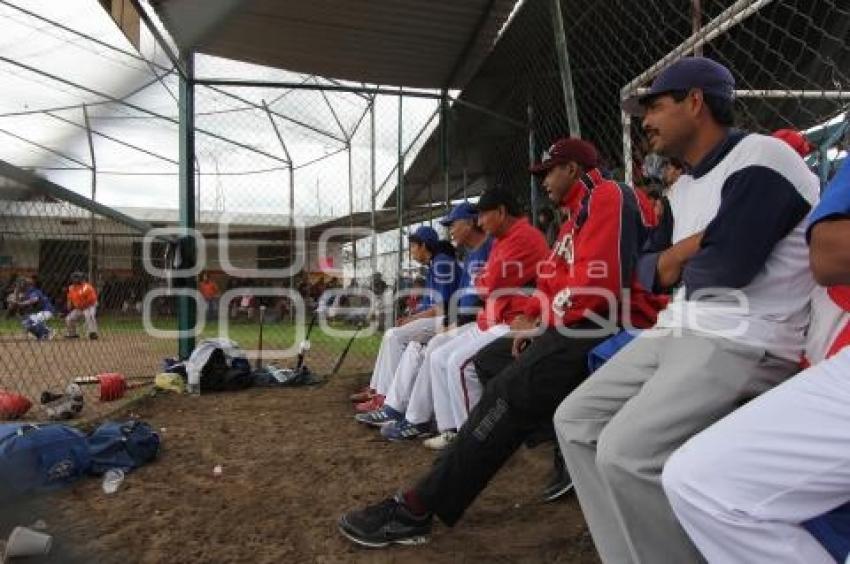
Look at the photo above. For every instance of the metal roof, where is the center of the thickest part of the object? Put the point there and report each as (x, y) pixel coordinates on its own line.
(433, 44)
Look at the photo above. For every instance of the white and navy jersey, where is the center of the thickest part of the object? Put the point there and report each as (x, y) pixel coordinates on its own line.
(750, 197)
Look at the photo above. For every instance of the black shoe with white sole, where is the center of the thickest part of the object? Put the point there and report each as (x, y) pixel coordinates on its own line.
(385, 523)
(560, 482)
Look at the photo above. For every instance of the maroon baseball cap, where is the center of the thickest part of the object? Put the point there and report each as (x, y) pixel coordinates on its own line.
(566, 150)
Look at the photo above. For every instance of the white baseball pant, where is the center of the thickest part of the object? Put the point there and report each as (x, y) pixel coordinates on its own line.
(74, 316)
(393, 343)
(411, 387)
(455, 386)
(742, 487)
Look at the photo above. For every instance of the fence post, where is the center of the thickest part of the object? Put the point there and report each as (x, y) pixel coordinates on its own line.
(444, 144)
(532, 157)
(187, 308)
(92, 247)
(400, 194)
(565, 69)
(351, 210)
(373, 224)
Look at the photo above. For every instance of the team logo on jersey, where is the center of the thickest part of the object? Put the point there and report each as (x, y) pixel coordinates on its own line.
(564, 248)
(563, 301)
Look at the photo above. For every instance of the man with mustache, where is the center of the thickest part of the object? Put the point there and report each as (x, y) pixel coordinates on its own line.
(734, 329)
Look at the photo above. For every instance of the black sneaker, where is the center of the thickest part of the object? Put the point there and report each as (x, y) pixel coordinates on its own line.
(93, 336)
(560, 482)
(385, 523)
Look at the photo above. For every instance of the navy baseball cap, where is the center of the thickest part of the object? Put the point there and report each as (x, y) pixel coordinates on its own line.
(689, 72)
(463, 210)
(492, 198)
(424, 235)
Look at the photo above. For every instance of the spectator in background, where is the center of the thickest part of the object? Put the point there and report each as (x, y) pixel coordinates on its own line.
(671, 170)
(378, 284)
(209, 290)
(660, 205)
(547, 222)
(7, 294)
(790, 448)
(82, 304)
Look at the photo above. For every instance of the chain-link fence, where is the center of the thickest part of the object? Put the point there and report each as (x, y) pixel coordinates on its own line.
(562, 67)
(52, 331)
(305, 185)
(294, 212)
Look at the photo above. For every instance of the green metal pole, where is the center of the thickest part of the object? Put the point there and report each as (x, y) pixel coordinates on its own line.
(400, 192)
(444, 144)
(532, 156)
(187, 309)
(92, 247)
(373, 221)
(565, 69)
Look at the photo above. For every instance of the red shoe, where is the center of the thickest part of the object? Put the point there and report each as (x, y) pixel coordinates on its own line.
(365, 394)
(373, 404)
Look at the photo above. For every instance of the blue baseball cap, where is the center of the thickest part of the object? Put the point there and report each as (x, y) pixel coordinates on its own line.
(424, 235)
(463, 210)
(689, 72)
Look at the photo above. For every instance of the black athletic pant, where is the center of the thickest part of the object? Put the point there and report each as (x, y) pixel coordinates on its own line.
(521, 396)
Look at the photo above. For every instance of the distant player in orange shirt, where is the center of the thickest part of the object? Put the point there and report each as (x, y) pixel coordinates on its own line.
(82, 303)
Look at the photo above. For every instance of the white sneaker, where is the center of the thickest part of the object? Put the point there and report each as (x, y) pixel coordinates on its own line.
(441, 441)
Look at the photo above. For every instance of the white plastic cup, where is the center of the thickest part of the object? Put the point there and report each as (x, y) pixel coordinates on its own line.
(25, 542)
(112, 480)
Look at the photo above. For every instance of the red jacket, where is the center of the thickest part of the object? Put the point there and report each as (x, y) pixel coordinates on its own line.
(511, 265)
(597, 249)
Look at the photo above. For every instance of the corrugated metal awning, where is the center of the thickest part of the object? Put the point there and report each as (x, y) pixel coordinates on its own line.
(432, 44)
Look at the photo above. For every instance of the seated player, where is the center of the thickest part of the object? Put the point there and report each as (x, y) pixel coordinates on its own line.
(590, 270)
(512, 265)
(442, 280)
(743, 488)
(416, 360)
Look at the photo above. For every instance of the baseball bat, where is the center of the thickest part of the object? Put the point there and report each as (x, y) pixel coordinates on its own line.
(344, 353)
(90, 380)
(301, 351)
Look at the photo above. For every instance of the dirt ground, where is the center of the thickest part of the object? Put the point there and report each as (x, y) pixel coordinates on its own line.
(30, 367)
(292, 461)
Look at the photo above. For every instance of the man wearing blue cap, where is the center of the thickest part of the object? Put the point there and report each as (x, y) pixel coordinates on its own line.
(410, 388)
(735, 254)
(441, 282)
(452, 383)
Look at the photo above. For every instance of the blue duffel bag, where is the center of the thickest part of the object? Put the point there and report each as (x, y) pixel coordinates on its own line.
(605, 351)
(37, 457)
(122, 444)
